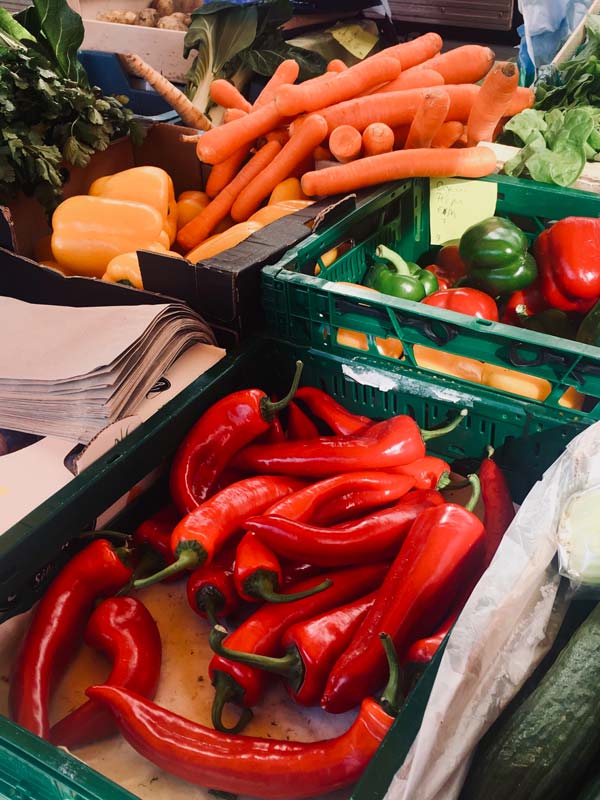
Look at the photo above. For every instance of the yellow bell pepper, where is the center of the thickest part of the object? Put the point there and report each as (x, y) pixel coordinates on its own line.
(125, 268)
(87, 232)
(189, 205)
(223, 241)
(289, 189)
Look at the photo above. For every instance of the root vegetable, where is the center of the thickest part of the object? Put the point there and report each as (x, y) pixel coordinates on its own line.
(121, 17)
(171, 23)
(147, 18)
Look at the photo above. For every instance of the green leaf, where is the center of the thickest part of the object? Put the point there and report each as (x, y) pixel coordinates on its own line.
(63, 30)
(523, 124)
(273, 49)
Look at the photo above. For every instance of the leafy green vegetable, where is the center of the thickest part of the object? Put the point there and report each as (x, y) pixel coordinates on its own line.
(63, 32)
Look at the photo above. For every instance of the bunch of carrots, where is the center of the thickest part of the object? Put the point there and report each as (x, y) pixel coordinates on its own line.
(407, 111)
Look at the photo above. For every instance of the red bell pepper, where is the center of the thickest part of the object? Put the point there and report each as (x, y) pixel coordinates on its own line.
(369, 539)
(323, 406)
(465, 301)
(201, 534)
(440, 274)
(391, 443)
(451, 265)
(568, 258)
(527, 301)
(258, 574)
(300, 426)
(312, 647)
(57, 627)
(267, 768)
(124, 630)
(262, 633)
(228, 425)
(434, 561)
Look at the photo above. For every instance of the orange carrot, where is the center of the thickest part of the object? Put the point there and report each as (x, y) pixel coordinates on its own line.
(221, 174)
(336, 65)
(492, 103)
(280, 135)
(286, 72)
(322, 153)
(409, 54)
(415, 78)
(448, 134)
(399, 108)
(201, 226)
(377, 138)
(345, 143)
(225, 94)
(300, 145)
(219, 143)
(473, 162)
(428, 120)
(293, 100)
(466, 64)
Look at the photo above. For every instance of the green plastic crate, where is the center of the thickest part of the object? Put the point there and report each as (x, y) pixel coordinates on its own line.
(527, 440)
(311, 310)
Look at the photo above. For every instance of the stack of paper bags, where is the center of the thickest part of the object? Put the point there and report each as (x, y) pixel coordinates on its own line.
(69, 372)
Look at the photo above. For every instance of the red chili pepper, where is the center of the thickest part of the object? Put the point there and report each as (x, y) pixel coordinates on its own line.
(124, 630)
(203, 532)
(294, 571)
(258, 575)
(466, 301)
(300, 426)
(529, 301)
(568, 259)
(312, 647)
(441, 275)
(262, 632)
(267, 768)
(155, 533)
(57, 627)
(227, 426)
(390, 443)
(323, 406)
(498, 505)
(373, 538)
(275, 432)
(211, 592)
(429, 472)
(423, 650)
(417, 593)
(227, 477)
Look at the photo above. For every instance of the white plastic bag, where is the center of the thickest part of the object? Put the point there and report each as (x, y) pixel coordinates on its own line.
(548, 24)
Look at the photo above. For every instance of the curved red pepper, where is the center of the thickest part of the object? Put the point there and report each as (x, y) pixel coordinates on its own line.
(124, 630)
(527, 301)
(275, 432)
(211, 592)
(323, 406)
(203, 532)
(569, 273)
(429, 472)
(300, 426)
(391, 443)
(312, 647)
(267, 768)
(155, 533)
(262, 632)
(498, 505)
(422, 583)
(227, 426)
(372, 538)
(57, 627)
(258, 574)
(423, 650)
(466, 301)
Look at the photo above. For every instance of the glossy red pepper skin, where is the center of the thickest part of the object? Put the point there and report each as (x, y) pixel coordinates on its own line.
(423, 650)
(211, 592)
(529, 301)
(323, 406)
(262, 631)
(568, 258)
(56, 629)
(450, 263)
(466, 301)
(267, 768)
(426, 471)
(124, 630)
(422, 583)
(255, 562)
(372, 538)
(300, 426)
(391, 443)
(498, 505)
(155, 532)
(227, 426)
(442, 278)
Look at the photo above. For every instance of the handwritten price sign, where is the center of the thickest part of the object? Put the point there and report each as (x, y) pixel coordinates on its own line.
(456, 204)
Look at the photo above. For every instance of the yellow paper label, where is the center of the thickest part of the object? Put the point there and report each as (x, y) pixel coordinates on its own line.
(456, 204)
(355, 39)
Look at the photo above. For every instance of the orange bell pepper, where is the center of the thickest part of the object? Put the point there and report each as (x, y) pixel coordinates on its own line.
(189, 205)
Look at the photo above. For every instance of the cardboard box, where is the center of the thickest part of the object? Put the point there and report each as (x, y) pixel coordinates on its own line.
(225, 289)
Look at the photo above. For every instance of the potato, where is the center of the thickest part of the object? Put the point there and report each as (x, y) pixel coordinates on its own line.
(185, 18)
(122, 17)
(171, 23)
(164, 7)
(187, 6)
(148, 18)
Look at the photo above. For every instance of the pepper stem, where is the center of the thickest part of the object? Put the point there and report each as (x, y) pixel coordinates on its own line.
(476, 484)
(226, 691)
(188, 558)
(289, 666)
(262, 585)
(396, 260)
(443, 481)
(427, 435)
(270, 409)
(118, 536)
(490, 451)
(391, 699)
(209, 600)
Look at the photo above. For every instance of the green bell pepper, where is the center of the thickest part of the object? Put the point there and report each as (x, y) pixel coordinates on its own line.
(399, 278)
(495, 252)
(589, 330)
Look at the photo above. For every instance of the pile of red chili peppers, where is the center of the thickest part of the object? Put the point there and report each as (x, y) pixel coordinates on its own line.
(330, 532)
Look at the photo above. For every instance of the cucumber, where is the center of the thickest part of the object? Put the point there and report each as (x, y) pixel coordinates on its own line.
(544, 749)
(591, 790)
